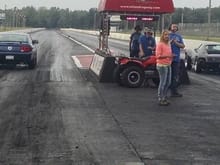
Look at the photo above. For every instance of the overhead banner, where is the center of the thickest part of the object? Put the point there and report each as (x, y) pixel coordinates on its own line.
(136, 6)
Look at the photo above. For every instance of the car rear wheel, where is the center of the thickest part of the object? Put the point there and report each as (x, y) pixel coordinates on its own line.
(133, 76)
(32, 64)
(198, 65)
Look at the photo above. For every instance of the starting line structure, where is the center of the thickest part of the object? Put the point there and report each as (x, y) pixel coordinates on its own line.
(103, 62)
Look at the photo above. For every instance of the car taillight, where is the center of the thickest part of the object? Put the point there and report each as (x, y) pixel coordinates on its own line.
(25, 48)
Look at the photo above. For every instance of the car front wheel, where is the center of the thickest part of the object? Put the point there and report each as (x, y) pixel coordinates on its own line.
(188, 62)
(198, 65)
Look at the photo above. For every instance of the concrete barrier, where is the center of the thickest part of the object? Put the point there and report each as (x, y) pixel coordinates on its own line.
(97, 63)
(103, 66)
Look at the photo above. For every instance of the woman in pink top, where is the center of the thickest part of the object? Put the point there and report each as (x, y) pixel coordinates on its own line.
(164, 59)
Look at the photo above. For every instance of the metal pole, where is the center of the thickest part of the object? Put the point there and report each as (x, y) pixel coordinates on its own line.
(126, 27)
(162, 23)
(13, 19)
(209, 19)
(24, 21)
(5, 21)
(94, 22)
(182, 16)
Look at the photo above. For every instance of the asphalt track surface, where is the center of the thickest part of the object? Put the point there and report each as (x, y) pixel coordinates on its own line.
(59, 114)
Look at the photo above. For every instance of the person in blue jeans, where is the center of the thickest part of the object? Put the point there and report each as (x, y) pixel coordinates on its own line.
(177, 44)
(164, 58)
(147, 43)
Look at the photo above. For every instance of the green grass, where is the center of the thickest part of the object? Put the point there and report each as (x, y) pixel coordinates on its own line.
(2, 29)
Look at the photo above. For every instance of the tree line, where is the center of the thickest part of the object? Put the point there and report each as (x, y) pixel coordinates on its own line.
(83, 19)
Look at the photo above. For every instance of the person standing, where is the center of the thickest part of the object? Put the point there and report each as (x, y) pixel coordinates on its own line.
(134, 42)
(164, 58)
(176, 45)
(147, 43)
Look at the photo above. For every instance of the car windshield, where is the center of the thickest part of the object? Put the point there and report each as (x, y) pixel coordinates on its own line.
(13, 38)
(213, 49)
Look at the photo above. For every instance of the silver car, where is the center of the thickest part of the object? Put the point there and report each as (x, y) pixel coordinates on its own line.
(206, 57)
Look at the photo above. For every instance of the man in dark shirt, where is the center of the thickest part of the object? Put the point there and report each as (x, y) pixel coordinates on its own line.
(134, 42)
(176, 44)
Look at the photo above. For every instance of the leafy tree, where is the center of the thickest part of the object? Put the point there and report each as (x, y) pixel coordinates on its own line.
(82, 19)
(31, 16)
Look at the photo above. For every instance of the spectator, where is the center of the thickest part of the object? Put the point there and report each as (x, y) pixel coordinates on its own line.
(176, 44)
(164, 59)
(134, 44)
(147, 43)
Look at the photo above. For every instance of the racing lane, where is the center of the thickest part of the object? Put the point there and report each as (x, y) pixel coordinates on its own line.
(53, 116)
(184, 133)
(117, 47)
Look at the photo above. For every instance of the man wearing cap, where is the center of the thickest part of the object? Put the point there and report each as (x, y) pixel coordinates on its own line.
(147, 43)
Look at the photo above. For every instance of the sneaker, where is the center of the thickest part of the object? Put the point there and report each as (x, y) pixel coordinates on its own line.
(176, 95)
(163, 103)
(167, 101)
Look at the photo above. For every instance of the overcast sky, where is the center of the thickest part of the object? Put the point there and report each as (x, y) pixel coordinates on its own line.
(87, 4)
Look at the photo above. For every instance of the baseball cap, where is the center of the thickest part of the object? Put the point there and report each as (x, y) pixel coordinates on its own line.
(148, 30)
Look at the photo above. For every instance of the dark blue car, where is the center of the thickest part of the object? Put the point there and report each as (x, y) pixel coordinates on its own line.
(18, 48)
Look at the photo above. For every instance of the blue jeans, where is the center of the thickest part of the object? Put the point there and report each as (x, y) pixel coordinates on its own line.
(165, 81)
(175, 77)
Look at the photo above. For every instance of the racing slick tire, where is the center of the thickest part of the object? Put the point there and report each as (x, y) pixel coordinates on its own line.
(133, 76)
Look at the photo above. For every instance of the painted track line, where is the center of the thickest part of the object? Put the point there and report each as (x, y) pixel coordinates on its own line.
(81, 44)
(77, 62)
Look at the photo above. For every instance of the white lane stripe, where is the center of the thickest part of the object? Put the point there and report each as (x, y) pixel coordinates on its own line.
(134, 163)
(81, 44)
(77, 62)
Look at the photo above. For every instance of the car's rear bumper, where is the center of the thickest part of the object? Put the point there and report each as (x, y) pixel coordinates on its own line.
(15, 59)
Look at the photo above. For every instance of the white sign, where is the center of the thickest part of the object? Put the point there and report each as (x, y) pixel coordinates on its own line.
(2, 15)
(115, 18)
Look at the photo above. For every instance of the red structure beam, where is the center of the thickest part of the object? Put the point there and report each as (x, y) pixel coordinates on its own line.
(136, 6)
